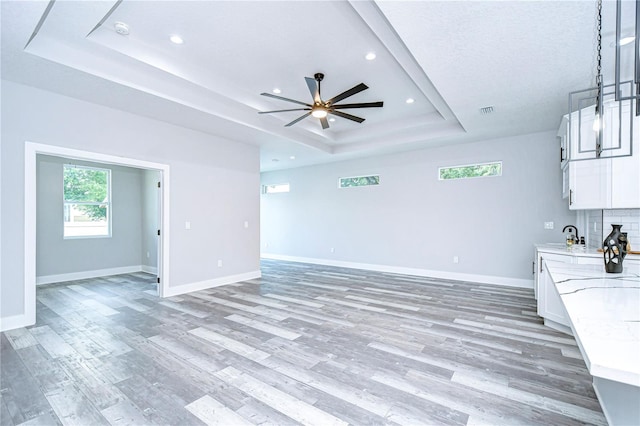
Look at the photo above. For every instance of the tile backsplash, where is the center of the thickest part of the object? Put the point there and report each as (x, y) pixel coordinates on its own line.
(599, 225)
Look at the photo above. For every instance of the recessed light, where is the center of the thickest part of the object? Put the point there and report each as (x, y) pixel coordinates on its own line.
(276, 91)
(275, 160)
(121, 28)
(370, 56)
(332, 120)
(410, 100)
(176, 39)
(293, 157)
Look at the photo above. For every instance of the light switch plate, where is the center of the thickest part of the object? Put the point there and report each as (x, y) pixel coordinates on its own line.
(548, 225)
(187, 225)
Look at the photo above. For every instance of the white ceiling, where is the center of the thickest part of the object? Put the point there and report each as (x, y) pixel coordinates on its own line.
(452, 57)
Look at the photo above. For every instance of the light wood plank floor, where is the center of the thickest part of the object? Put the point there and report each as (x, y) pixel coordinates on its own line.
(304, 344)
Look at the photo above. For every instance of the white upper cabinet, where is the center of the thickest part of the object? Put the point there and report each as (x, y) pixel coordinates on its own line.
(590, 184)
(601, 183)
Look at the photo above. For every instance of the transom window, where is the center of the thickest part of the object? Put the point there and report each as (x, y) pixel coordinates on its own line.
(87, 201)
(275, 188)
(348, 182)
(470, 171)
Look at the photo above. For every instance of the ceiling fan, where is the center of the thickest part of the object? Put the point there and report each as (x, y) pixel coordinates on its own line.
(320, 109)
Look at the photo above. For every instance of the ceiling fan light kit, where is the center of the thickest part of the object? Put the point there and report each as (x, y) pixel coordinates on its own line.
(319, 108)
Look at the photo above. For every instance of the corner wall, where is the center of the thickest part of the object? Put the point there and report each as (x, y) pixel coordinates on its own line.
(414, 223)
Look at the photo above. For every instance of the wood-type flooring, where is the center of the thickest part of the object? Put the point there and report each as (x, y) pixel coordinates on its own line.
(305, 344)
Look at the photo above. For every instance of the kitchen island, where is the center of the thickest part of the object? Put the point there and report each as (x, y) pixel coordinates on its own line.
(603, 312)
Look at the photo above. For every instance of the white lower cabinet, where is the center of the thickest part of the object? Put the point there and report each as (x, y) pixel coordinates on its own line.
(550, 306)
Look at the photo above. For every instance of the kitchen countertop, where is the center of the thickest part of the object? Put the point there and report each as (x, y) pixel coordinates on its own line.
(604, 311)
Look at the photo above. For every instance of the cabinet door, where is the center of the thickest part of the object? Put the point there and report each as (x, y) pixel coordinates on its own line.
(552, 307)
(565, 181)
(563, 138)
(590, 184)
(625, 173)
(538, 270)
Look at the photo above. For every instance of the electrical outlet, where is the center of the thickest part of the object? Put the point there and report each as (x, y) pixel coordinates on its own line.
(187, 225)
(548, 225)
(147, 255)
(332, 250)
(455, 259)
(219, 263)
(246, 224)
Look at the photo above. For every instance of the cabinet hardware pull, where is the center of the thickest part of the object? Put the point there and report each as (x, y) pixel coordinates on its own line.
(533, 267)
(571, 197)
(561, 154)
(541, 264)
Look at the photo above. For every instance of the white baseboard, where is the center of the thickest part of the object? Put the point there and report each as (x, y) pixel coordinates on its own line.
(215, 282)
(149, 269)
(15, 321)
(458, 276)
(49, 279)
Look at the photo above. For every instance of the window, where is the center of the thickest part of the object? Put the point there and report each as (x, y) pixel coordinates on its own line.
(87, 201)
(470, 171)
(348, 182)
(275, 188)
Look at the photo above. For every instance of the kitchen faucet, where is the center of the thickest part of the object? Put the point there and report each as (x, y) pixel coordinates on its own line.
(574, 229)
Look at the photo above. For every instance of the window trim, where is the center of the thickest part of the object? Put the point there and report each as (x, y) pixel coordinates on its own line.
(470, 165)
(109, 203)
(359, 176)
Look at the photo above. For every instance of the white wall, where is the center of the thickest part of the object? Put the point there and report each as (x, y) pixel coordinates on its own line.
(56, 255)
(214, 184)
(413, 220)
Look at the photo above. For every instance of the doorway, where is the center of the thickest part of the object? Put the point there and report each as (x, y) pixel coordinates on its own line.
(152, 171)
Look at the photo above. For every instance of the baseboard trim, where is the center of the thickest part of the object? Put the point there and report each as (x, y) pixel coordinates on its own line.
(15, 321)
(482, 279)
(215, 282)
(50, 279)
(149, 269)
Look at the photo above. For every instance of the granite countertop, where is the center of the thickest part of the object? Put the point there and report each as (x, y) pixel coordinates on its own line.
(604, 311)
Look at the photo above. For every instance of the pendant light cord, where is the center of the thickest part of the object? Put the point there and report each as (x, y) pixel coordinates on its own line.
(599, 107)
(599, 50)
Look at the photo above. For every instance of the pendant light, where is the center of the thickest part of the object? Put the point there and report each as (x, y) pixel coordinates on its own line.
(609, 113)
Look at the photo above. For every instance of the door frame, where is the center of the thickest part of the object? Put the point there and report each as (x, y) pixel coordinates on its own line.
(32, 149)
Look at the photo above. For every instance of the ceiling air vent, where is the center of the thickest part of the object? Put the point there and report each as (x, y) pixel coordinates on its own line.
(486, 110)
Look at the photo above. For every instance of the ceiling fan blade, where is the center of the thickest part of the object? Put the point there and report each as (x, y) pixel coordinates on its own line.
(324, 122)
(347, 116)
(314, 89)
(355, 89)
(297, 119)
(284, 110)
(285, 99)
(360, 105)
